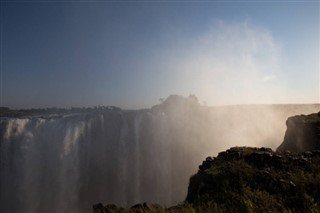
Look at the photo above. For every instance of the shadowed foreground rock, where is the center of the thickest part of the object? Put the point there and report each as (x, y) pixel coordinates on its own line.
(303, 133)
(257, 179)
(145, 207)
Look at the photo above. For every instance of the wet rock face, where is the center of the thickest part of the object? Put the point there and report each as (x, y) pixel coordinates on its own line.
(303, 133)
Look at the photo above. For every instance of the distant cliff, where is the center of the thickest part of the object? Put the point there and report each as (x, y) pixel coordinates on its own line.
(303, 133)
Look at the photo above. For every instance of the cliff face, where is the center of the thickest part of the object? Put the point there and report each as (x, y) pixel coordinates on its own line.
(84, 155)
(302, 134)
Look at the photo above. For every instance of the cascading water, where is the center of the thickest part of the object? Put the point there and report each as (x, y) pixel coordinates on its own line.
(137, 183)
(67, 163)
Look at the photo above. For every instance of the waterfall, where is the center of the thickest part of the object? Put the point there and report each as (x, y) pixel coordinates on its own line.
(66, 163)
(137, 159)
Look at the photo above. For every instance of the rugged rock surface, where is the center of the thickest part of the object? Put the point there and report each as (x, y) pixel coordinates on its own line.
(303, 133)
(111, 208)
(259, 180)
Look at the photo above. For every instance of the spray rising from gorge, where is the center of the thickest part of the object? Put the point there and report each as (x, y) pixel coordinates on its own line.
(65, 162)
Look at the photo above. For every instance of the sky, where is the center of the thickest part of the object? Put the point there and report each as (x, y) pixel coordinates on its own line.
(132, 53)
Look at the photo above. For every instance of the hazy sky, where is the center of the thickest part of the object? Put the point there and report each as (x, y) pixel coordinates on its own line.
(132, 53)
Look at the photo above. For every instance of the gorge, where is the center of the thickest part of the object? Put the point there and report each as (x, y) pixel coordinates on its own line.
(65, 162)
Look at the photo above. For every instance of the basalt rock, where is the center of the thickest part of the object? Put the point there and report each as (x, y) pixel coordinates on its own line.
(257, 179)
(303, 133)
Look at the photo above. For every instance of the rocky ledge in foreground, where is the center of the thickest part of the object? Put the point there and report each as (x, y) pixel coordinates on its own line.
(258, 180)
(244, 179)
(303, 133)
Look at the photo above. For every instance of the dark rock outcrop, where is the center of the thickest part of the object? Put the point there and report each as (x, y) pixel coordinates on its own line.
(303, 133)
(257, 179)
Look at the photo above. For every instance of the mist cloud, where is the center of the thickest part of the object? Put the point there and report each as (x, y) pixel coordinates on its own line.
(231, 63)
